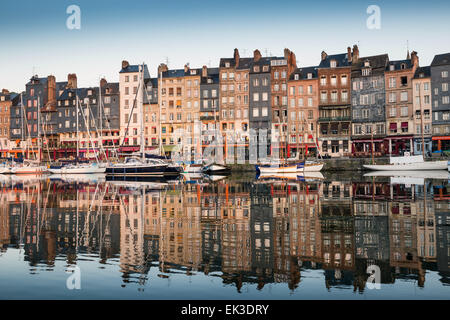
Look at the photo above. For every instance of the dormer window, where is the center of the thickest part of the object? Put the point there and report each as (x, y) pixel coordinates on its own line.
(89, 92)
(227, 64)
(296, 77)
(366, 63)
(366, 72)
(70, 94)
(309, 75)
(333, 63)
(403, 66)
(391, 67)
(256, 69)
(193, 72)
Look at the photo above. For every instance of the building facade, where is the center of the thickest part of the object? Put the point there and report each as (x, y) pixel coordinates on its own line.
(368, 105)
(440, 81)
(5, 109)
(303, 112)
(422, 110)
(334, 103)
(399, 105)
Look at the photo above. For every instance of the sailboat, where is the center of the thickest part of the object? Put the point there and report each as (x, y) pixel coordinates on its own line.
(79, 168)
(29, 166)
(289, 167)
(408, 162)
(138, 166)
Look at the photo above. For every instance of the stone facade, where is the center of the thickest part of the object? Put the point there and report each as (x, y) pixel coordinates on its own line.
(422, 110)
(440, 82)
(368, 105)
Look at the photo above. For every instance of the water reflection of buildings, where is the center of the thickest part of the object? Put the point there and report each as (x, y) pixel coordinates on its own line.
(241, 231)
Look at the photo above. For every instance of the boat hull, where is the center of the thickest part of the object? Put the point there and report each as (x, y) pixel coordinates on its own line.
(293, 168)
(5, 170)
(138, 171)
(28, 170)
(429, 165)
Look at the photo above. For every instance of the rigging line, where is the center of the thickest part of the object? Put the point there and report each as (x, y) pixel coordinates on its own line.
(102, 107)
(96, 129)
(89, 134)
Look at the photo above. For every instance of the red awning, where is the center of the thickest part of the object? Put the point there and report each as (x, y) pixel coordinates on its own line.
(393, 126)
(404, 124)
(441, 138)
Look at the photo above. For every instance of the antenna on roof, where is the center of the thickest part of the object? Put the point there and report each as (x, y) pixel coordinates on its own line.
(407, 50)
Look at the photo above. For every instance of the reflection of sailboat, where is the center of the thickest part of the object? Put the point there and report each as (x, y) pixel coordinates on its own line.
(149, 185)
(432, 174)
(95, 177)
(215, 178)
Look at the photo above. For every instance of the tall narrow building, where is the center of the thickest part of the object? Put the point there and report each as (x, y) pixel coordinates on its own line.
(399, 105)
(368, 105)
(334, 103)
(422, 110)
(440, 81)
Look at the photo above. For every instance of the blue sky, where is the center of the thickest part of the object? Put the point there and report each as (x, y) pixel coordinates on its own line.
(34, 35)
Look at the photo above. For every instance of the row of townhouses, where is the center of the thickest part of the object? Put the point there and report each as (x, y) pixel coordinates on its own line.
(346, 106)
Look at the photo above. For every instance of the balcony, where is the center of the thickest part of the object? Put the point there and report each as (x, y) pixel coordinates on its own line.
(327, 119)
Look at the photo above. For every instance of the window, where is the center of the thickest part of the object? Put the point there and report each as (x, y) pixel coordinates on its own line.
(392, 82)
(310, 102)
(310, 90)
(344, 80)
(404, 81)
(333, 80)
(264, 112)
(323, 96)
(444, 74)
(255, 96)
(404, 111)
(300, 102)
(333, 64)
(323, 81)
(445, 100)
(404, 96)
(445, 87)
(255, 112)
(392, 97)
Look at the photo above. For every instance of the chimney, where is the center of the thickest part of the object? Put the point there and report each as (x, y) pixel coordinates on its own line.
(349, 54)
(236, 57)
(323, 55)
(72, 81)
(355, 53)
(162, 68)
(125, 64)
(186, 68)
(103, 82)
(5, 91)
(292, 62)
(204, 71)
(415, 59)
(287, 53)
(256, 55)
(51, 87)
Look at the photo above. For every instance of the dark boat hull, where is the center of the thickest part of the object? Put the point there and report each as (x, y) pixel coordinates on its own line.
(140, 171)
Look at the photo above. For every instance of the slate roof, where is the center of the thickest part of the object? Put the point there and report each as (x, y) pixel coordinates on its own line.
(423, 72)
(341, 61)
(135, 68)
(398, 64)
(80, 92)
(378, 64)
(441, 59)
(303, 73)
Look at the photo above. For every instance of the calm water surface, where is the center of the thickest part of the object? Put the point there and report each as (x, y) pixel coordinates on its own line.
(232, 238)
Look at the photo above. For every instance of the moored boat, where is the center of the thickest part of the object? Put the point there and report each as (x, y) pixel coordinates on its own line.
(408, 163)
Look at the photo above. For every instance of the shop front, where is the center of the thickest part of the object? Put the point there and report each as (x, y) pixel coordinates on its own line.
(441, 144)
(363, 147)
(398, 145)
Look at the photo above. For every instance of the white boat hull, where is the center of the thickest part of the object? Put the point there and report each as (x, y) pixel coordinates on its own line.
(295, 168)
(428, 165)
(193, 168)
(28, 170)
(89, 169)
(5, 170)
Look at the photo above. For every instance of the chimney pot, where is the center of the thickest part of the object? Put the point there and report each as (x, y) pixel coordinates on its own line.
(256, 55)
(204, 71)
(323, 55)
(125, 64)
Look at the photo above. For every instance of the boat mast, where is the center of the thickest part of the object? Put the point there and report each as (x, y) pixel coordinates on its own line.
(100, 115)
(159, 107)
(39, 129)
(140, 108)
(78, 138)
